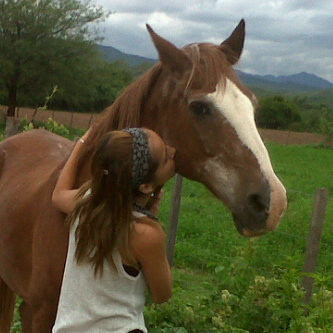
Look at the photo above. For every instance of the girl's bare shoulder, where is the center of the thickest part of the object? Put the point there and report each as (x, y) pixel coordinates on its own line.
(147, 235)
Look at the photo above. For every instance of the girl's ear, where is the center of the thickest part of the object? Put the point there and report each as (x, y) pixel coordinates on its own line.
(146, 188)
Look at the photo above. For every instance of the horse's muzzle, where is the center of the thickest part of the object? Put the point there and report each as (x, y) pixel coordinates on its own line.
(261, 213)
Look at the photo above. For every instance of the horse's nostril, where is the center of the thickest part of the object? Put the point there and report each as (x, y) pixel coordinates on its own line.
(258, 203)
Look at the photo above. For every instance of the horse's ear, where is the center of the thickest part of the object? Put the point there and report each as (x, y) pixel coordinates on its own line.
(232, 47)
(170, 56)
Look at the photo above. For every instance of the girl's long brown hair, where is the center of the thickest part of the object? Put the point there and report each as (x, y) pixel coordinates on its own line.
(105, 214)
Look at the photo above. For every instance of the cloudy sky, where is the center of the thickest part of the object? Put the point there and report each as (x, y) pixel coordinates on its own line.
(283, 37)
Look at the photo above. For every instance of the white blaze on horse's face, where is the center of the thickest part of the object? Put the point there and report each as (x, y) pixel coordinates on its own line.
(238, 110)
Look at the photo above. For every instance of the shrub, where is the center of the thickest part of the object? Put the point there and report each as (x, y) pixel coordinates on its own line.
(326, 128)
(52, 126)
(277, 113)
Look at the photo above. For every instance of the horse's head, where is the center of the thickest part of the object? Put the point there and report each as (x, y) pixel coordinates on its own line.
(199, 106)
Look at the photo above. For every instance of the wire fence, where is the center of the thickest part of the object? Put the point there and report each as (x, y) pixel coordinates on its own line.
(311, 196)
(312, 239)
(299, 236)
(70, 119)
(84, 120)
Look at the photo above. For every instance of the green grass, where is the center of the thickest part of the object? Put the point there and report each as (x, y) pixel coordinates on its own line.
(209, 246)
(206, 234)
(226, 283)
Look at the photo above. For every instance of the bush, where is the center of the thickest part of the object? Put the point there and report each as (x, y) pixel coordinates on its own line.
(326, 128)
(52, 126)
(267, 304)
(277, 113)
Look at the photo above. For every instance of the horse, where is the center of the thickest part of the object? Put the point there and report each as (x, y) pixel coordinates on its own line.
(194, 100)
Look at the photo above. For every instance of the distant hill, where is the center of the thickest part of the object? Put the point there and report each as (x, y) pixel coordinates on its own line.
(324, 96)
(112, 54)
(313, 86)
(289, 84)
(305, 79)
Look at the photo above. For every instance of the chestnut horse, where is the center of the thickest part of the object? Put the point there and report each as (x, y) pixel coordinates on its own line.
(195, 101)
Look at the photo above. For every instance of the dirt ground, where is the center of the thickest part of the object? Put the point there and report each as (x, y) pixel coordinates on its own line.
(84, 120)
(290, 138)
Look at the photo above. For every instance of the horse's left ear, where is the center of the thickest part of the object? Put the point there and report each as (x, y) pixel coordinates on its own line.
(171, 56)
(232, 47)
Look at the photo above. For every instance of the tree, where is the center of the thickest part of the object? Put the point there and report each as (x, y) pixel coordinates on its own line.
(141, 68)
(44, 43)
(277, 113)
(105, 82)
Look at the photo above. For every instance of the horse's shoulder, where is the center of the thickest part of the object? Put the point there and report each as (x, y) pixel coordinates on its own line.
(45, 135)
(36, 139)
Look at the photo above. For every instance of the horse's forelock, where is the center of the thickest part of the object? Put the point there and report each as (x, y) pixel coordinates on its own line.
(209, 68)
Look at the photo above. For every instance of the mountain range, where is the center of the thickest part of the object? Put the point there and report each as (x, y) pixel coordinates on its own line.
(261, 84)
(112, 54)
(301, 82)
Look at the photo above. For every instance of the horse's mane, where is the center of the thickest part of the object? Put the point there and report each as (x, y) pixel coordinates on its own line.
(126, 109)
(124, 112)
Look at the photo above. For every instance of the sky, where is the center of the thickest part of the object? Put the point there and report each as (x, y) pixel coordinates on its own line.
(283, 37)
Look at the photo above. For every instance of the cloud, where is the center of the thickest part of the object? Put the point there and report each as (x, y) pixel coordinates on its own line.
(282, 37)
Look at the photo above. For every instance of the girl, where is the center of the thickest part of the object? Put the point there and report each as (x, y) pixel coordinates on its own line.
(116, 246)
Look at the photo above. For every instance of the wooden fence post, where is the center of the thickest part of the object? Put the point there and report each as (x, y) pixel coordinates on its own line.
(12, 126)
(313, 241)
(71, 123)
(174, 214)
(90, 120)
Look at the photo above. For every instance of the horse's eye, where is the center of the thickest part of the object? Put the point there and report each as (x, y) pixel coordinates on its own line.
(200, 108)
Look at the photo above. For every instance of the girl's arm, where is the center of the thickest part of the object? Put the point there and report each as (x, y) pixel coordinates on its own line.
(149, 249)
(63, 197)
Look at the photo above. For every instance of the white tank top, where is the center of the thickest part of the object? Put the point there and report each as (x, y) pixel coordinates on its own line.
(111, 303)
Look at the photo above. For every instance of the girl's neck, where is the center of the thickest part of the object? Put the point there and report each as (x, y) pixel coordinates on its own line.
(142, 200)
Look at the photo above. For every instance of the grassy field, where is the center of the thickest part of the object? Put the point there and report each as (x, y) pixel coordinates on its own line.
(217, 271)
(226, 283)
(206, 234)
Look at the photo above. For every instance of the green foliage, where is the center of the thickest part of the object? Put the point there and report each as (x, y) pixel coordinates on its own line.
(141, 68)
(299, 113)
(326, 128)
(269, 304)
(2, 123)
(52, 126)
(276, 305)
(46, 43)
(323, 96)
(102, 84)
(277, 113)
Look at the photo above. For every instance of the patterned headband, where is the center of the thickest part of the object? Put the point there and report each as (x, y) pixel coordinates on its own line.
(141, 155)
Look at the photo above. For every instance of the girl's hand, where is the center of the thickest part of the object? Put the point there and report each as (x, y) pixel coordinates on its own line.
(84, 136)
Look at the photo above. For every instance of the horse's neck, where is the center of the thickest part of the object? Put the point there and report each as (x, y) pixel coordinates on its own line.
(137, 106)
